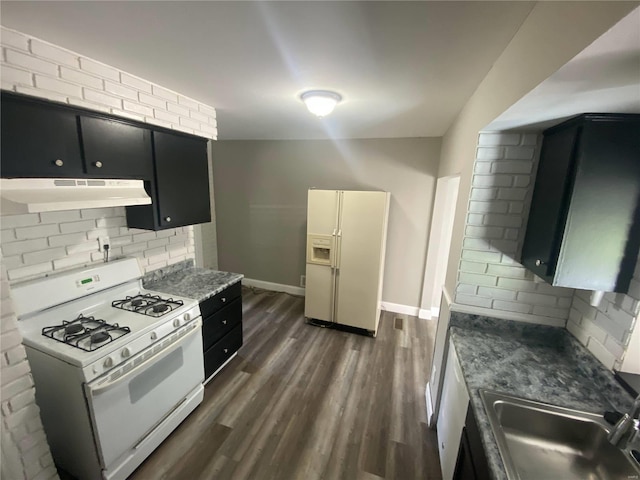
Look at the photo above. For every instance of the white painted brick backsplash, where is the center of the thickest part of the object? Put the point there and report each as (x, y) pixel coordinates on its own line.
(179, 109)
(484, 181)
(121, 90)
(58, 86)
(31, 63)
(483, 194)
(38, 92)
(14, 39)
(99, 69)
(497, 139)
(16, 76)
(81, 78)
(601, 353)
(58, 55)
(77, 80)
(166, 116)
(489, 153)
(137, 83)
(137, 108)
(102, 98)
(89, 105)
(509, 167)
(153, 101)
(519, 153)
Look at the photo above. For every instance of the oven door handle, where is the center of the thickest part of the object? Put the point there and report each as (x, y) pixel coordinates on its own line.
(161, 354)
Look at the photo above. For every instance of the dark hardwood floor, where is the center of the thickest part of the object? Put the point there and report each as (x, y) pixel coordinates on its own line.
(303, 402)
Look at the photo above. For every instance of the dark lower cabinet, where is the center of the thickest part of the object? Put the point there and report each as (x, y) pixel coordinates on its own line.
(472, 461)
(221, 327)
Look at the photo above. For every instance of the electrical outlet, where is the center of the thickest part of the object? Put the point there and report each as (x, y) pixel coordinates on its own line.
(102, 241)
(303, 280)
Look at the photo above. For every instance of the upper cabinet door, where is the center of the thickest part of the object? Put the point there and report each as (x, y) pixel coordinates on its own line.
(182, 180)
(39, 141)
(550, 202)
(114, 149)
(584, 224)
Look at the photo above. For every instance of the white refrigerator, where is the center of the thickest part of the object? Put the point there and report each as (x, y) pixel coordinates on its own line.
(346, 240)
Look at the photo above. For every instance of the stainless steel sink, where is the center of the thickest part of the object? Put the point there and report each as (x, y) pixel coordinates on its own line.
(540, 441)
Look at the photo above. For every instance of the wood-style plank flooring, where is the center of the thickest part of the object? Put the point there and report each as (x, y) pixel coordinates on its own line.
(303, 402)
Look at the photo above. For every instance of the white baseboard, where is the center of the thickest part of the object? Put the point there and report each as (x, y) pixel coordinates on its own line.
(429, 314)
(399, 308)
(275, 287)
(518, 317)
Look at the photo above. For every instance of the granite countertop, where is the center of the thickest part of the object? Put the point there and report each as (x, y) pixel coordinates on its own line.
(186, 280)
(536, 362)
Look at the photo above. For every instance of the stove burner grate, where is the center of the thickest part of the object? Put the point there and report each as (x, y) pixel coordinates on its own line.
(147, 304)
(85, 333)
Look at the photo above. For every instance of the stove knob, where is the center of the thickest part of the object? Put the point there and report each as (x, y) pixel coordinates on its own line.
(108, 362)
(176, 322)
(187, 317)
(154, 336)
(126, 352)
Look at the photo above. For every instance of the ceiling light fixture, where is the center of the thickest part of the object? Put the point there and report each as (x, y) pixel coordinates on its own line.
(320, 102)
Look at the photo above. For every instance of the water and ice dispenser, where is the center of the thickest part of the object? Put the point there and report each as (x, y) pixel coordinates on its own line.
(320, 249)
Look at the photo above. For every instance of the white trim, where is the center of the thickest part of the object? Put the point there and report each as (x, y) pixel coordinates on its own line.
(430, 412)
(399, 308)
(447, 295)
(424, 314)
(275, 287)
(518, 317)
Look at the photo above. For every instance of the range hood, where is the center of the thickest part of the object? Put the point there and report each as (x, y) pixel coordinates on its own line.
(31, 195)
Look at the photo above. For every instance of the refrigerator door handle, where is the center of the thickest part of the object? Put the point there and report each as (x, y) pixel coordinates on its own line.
(332, 257)
(337, 249)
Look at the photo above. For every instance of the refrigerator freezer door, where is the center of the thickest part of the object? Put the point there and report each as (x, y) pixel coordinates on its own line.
(322, 222)
(361, 247)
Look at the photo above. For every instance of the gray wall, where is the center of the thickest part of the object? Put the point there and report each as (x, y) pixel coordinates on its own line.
(261, 200)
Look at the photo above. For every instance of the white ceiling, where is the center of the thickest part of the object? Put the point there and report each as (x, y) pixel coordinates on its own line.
(604, 77)
(404, 69)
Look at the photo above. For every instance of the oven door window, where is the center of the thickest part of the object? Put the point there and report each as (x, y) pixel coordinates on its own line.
(126, 409)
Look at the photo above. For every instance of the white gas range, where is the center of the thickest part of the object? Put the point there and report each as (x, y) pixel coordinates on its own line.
(116, 367)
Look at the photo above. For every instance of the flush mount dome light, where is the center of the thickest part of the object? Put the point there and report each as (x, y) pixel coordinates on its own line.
(320, 102)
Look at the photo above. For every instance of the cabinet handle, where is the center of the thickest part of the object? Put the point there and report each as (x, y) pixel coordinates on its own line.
(224, 322)
(539, 262)
(59, 163)
(98, 164)
(226, 350)
(167, 219)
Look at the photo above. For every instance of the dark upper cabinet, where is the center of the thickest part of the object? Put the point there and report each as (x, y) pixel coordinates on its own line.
(38, 140)
(180, 189)
(115, 149)
(584, 223)
(45, 139)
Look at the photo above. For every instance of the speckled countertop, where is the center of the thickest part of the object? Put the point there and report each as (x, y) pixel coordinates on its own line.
(186, 280)
(536, 362)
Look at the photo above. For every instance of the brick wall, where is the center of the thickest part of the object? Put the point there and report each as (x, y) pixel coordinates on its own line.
(490, 277)
(606, 330)
(41, 69)
(34, 245)
(25, 451)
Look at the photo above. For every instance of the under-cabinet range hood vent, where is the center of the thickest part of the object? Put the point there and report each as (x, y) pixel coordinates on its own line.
(31, 195)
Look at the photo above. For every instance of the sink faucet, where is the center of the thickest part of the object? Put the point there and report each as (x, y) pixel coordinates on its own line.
(627, 430)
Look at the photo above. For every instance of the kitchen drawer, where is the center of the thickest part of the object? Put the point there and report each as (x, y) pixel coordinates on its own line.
(222, 350)
(215, 303)
(220, 323)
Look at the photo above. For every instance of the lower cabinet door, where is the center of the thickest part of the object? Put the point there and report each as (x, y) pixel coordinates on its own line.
(216, 326)
(220, 352)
